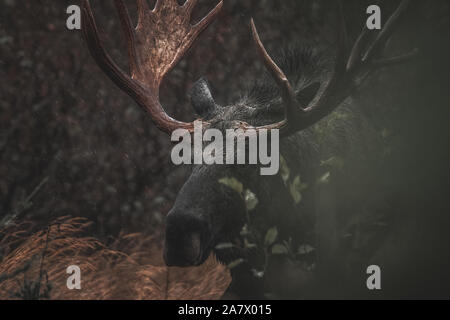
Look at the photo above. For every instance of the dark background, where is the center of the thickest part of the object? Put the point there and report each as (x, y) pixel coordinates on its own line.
(67, 133)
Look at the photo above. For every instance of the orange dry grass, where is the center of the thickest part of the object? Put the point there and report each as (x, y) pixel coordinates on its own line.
(129, 268)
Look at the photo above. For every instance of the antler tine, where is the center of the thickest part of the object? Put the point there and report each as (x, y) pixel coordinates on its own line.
(121, 79)
(143, 8)
(98, 51)
(356, 52)
(158, 5)
(152, 54)
(189, 5)
(343, 35)
(287, 92)
(206, 21)
(129, 32)
(350, 69)
(342, 51)
(324, 104)
(388, 29)
(347, 77)
(356, 68)
(297, 116)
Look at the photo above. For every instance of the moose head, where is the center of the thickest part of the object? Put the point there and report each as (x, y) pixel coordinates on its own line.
(207, 212)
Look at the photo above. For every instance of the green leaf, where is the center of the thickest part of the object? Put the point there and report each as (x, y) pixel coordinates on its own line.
(334, 162)
(271, 236)
(284, 170)
(324, 179)
(233, 183)
(305, 249)
(244, 231)
(296, 188)
(249, 245)
(235, 263)
(258, 274)
(224, 245)
(251, 201)
(279, 249)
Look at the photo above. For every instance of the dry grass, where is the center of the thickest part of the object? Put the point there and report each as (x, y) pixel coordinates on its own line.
(129, 268)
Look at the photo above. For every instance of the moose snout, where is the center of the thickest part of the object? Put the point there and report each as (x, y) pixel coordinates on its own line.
(186, 240)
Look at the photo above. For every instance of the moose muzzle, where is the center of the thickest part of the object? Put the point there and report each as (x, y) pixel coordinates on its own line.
(186, 240)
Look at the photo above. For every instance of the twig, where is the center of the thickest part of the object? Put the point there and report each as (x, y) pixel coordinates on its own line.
(24, 205)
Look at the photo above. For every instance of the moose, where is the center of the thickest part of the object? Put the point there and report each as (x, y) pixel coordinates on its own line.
(306, 203)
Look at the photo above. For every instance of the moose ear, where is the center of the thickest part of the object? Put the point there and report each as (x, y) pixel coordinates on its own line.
(202, 99)
(306, 95)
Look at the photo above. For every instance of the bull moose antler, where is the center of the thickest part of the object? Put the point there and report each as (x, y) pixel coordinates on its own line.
(351, 68)
(155, 46)
(164, 34)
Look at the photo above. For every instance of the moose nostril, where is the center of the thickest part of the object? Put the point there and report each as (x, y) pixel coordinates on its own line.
(185, 250)
(193, 247)
(186, 238)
